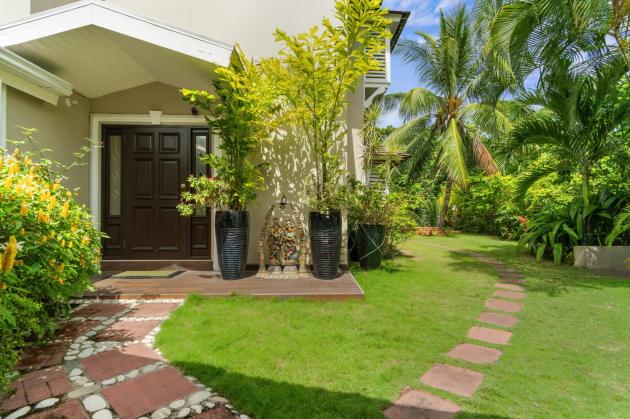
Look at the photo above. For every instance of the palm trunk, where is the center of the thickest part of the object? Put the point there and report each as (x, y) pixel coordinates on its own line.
(445, 204)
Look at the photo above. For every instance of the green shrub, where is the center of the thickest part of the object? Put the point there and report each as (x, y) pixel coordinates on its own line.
(487, 206)
(48, 247)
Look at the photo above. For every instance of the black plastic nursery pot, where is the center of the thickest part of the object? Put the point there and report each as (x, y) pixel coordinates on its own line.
(371, 242)
(325, 238)
(232, 234)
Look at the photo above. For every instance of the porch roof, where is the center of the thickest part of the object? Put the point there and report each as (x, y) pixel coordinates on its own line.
(102, 48)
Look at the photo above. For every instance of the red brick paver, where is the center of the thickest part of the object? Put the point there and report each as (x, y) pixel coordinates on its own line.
(70, 410)
(144, 394)
(36, 386)
(127, 330)
(509, 287)
(73, 329)
(498, 319)
(475, 353)
(502, 305)
(100, 310)
(418, 404)
(509, 294)
(152, 310)
(456, 380)
(43, 356)
(485, 334)
(112, 363)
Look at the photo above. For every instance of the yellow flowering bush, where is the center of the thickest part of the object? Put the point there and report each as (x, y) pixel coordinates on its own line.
(48, 251)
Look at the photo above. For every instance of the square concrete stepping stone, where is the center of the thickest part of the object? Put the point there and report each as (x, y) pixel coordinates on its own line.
(509, 287)
(485, 334)
(144, 394)
(511, 275)
(418, 404)
(152, 310)
(71, 410)
(498, 319)
(475, 353)
(100, 310)
(453, 379)
(509, 294)
(120, 361)
(127, 330)
(37, 386)
(502, 305)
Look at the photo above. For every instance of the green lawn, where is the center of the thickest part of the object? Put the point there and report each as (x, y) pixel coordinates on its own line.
(570, 355)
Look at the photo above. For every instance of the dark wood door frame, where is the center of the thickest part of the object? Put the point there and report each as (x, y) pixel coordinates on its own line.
(153, 162)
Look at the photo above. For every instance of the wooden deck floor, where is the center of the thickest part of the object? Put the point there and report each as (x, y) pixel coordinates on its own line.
(210, 284)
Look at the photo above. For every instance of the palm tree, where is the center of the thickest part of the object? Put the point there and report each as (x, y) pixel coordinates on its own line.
(460, 102)
(531, 36)
(576, 119)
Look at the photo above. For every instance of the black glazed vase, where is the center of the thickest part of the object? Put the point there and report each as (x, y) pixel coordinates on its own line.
(371, 242)
(325, 239)
(232, 234)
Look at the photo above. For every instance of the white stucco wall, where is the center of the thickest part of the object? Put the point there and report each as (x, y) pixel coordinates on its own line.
(248, 22)
(11, 10)
(62, 128)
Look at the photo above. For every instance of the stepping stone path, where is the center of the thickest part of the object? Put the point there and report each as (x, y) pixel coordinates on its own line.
(506, 300)
(102, 365)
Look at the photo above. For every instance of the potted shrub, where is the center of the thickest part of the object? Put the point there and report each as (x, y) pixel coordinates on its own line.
(371, 212)
(318, 70)
(240, 113)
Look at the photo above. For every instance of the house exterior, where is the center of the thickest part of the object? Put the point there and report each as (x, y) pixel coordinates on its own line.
(111, 71)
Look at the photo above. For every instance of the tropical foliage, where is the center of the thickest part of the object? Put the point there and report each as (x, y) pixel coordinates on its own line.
(48, 251)
(318, 70)
(447, 118)
(241, 113)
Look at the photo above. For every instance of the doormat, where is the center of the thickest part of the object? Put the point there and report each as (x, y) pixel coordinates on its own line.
(146, 274)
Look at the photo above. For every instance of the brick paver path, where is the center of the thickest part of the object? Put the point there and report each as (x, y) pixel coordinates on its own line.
(421, 404)
(102, 365)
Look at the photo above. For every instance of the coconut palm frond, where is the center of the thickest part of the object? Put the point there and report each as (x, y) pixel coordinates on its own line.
(453, 156)
(483, 157)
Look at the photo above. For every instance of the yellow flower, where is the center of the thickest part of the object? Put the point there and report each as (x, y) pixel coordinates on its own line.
(70, 245)
(86, 240)
(47, 218)
(16, 153)
(22, 231)
(44, 239)
(60, 280)
(73, 228)
(52, 262)
(61, 267)
(56, 186)
(68, 194)
(24, 209)
(65, 210)
(63, 243)
(13, 169)
(8, 258)
(8, 182)
(3, 286)
(27, 160)
(40, 216)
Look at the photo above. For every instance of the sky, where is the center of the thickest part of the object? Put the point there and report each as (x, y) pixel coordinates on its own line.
(424, 17)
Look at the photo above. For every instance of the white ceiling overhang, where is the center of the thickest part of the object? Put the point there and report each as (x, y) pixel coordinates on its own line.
(27, 77)
(101, 48)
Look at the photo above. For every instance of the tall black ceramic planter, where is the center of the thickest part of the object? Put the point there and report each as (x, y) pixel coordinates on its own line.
(325, 235)
(370, 242)
(232, 233)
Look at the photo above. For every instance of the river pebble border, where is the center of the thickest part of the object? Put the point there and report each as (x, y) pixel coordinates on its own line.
(89, 392)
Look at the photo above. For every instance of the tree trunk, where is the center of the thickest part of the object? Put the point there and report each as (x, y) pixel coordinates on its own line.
(586, 196)
(445, 204)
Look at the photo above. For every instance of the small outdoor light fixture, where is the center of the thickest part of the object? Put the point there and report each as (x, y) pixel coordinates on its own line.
(194, 111)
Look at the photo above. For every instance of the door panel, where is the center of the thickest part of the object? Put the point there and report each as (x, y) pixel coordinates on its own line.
(153, 162)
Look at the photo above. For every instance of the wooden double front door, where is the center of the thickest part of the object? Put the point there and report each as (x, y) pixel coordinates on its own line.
(145, 172)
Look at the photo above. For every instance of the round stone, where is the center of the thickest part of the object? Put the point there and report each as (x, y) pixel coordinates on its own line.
(199, 396)
(177, 404)
(81, 339)
(46, 403)
(196, 408)
(148, 368)
(94, 402)
(75, 372)
(102, 414)
(108, 322)
(108, 381)
(209, 405)
(162, 413)
(19, 413)
(72, 352)
(243, 417)
(75, 346)
(184, 412)
(120, 378)
(219, 399)
(69, 358)
(132, 373)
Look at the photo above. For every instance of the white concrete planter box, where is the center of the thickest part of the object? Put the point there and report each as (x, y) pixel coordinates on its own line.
(613, 258)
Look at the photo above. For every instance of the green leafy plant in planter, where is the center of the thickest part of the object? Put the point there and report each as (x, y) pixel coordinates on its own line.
(318, 70)
(241, 113)
(371, 213)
